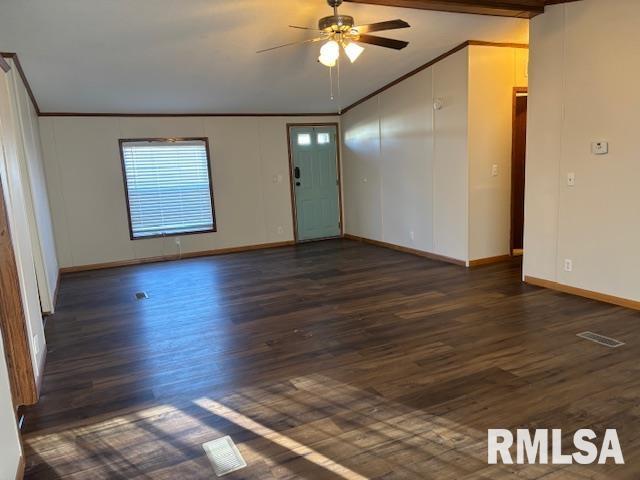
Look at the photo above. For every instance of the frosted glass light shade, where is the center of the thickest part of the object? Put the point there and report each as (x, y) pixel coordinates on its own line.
(353, 51)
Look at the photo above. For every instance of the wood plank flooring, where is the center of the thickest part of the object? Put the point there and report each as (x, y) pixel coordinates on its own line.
(332, 360)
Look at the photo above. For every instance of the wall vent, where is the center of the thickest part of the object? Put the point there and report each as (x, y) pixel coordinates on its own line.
(601, 339)
(224, 456)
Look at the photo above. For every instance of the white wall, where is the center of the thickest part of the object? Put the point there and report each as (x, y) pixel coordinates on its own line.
(36, 196)
(416, 177)
(395, 174)
(493, 73)
(361, 160)
(451, 169)
(84, 178)
(10, 450)
(16, 196)
(573, 101)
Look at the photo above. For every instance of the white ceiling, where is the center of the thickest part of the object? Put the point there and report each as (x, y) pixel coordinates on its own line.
(198, 56)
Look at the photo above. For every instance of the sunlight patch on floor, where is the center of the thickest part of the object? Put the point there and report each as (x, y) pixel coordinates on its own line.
(299, 449)
(306, 427)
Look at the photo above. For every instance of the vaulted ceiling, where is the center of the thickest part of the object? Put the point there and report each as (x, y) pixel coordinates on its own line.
(198, 56)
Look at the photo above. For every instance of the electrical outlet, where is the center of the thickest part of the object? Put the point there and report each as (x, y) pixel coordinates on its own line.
(571, 179)
(412, 235)
(568, 265)
(178, 242)
(280, 230)
(494, 170)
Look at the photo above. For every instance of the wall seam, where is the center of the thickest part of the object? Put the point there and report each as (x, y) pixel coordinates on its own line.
(380, 161)
(433, 159)
(62, 189)
(559, 176)
(468, 159)
(263, 180)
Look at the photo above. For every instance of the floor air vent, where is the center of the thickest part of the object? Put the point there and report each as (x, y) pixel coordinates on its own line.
(602, 340)
(224, 456)
(141, 296)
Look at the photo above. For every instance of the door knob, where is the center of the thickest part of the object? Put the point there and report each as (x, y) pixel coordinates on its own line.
(296, 172)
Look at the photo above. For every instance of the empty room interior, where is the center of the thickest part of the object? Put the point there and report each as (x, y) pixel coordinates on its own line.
(319, 239)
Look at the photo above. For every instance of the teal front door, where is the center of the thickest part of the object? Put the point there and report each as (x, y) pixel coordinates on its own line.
(315, 181)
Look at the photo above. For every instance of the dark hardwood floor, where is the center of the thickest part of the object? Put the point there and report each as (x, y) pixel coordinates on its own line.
(333, 360)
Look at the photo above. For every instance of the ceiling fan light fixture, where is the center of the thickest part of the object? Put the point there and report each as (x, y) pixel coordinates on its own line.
(330, 50)
(327, 62)
(329, 53)
(353, 51)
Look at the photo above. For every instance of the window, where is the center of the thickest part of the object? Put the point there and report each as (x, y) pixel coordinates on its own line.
(304, 139)
(323, 138)
(168, 186)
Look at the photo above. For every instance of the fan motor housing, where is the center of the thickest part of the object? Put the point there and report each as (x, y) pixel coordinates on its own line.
(336, 23)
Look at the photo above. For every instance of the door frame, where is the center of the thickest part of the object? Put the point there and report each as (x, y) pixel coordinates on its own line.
(516, 91)
(17, 346)
(294, 213)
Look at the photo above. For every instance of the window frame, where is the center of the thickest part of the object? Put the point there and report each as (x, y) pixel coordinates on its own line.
(123, 141)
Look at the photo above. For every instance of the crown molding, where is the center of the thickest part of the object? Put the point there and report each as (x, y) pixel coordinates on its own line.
(116, 114)
(13, 56)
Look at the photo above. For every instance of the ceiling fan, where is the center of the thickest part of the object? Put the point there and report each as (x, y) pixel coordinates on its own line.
(339, 31)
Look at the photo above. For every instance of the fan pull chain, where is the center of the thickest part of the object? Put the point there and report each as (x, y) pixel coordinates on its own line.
(338, 81)
(331, 82)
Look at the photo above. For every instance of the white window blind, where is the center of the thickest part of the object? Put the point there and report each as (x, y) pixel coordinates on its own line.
(168, 187)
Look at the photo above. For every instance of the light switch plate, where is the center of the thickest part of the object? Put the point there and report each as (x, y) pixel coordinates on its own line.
(600, 148)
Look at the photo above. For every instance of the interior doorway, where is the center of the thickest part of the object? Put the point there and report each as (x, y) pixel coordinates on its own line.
(315, 181)
(518, 167)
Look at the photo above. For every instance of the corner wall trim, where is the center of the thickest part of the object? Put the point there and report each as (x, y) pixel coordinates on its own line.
(601, 297)
(412, 251)
(4, 65)
(184, 256)
(23, 76)
(489, 260)
(40, 377)
(21, 467)
(55, 297)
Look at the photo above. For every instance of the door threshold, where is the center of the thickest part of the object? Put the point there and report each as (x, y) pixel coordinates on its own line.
(310, 240)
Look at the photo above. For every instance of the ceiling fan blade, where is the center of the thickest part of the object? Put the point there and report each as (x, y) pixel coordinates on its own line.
(380, 26)
(312, 40)
(383, 42)
(305, 28)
